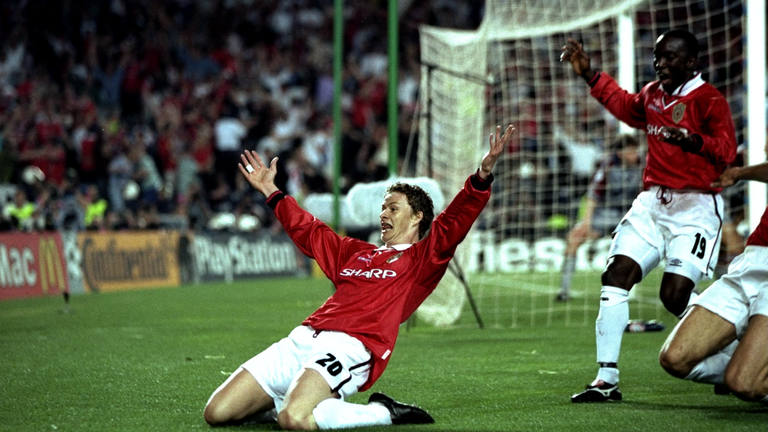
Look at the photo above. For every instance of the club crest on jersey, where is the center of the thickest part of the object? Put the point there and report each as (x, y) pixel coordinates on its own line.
(677, 112)
(394, 258)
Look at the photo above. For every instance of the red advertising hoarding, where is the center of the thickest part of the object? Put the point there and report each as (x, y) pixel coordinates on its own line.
(31, 264)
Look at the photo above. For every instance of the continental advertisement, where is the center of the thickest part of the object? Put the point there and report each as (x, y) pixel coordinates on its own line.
(125, 260)
(32, 265)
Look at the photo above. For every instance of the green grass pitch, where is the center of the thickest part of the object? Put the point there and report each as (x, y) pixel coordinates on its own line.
(149, 360)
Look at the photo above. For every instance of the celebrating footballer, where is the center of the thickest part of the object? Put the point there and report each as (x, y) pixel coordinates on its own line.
(304, 380)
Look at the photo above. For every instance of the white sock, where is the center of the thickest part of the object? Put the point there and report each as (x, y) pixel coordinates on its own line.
(711, 370)
(337, 414)
(609, 328)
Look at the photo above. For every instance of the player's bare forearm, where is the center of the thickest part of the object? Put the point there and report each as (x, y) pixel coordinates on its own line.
(497, 144)
(260, 176)
(732, 175)
(757, 172)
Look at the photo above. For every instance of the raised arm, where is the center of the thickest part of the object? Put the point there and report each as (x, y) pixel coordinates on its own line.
(313, 237)
(452, 225)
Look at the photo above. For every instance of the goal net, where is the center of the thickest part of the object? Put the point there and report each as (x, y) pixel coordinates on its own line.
(508, 71)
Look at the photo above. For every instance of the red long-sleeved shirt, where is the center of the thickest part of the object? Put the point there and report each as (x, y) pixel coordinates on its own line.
(698, 108)
(377, 289)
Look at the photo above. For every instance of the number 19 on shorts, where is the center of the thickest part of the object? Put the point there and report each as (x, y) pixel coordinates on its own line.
(699, 246)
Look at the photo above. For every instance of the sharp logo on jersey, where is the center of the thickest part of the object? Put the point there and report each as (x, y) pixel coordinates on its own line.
(394, 258)
(372, 273)
(675, 262)
(656, 130)
(677, 112)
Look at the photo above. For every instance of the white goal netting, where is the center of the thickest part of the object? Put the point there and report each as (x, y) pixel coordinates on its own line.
(508, 71)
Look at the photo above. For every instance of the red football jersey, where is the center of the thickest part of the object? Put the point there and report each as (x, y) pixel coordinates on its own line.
(759, 236)
(695, 107)
(377, 289)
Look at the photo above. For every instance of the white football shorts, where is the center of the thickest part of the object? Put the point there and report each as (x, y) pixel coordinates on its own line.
(343, 361)
(742, 292)
(682, 226)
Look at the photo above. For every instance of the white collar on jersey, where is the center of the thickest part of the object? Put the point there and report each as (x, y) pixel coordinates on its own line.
(397, 247)
(687, 87)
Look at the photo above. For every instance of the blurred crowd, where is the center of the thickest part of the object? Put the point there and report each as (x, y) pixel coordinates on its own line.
(125, 114)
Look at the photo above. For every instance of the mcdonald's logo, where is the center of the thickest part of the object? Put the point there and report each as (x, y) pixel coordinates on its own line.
(52, 273)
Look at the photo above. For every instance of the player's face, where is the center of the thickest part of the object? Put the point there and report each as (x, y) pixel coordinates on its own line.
(672, 63)
(398, 223)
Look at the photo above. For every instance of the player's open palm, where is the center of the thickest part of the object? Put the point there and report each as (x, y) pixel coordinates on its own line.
(498, 143)
(260, 176)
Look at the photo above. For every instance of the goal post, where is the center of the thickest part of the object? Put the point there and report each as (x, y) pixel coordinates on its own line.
(508, 70)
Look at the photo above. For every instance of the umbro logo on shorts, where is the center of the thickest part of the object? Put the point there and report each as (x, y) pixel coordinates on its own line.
(675, 262)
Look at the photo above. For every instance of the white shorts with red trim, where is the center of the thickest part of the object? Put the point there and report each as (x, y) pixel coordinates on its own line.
(742, 292)
(682, 226)
(343, 361)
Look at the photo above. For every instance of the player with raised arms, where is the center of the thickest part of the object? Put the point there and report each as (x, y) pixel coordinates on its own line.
(303, 380)
(734, 307)
(678, 216)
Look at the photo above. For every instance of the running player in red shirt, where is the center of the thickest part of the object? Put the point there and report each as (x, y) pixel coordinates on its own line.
(734, 308)
(691, 139)
(303, 380)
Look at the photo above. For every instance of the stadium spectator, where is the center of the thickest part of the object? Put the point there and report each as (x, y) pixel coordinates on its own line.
(77, 81)
(724, 336)
(691, 139)
(20, 213)
(612, 189)
(344, 347)
(145, 173)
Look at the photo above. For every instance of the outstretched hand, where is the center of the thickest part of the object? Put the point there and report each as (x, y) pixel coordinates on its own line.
(573, 52)
(728, 178)
(498, 143)
(260, 176)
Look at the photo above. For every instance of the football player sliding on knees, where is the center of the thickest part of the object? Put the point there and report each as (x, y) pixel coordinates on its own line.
(304, 380)
(677, 216)
(723, 340)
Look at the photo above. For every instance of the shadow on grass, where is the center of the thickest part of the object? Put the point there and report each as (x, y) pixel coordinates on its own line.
(753, 408)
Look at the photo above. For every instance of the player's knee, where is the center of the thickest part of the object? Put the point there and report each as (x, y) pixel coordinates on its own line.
(615, 278)
(216, 414)
(674, 362)
(289, 419)
(621, 272)
(673, 301)
(743, 385)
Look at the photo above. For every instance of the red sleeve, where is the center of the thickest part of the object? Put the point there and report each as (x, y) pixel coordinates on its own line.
(315, 239)
(451, 226)
(625, 106)
(718, 135)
